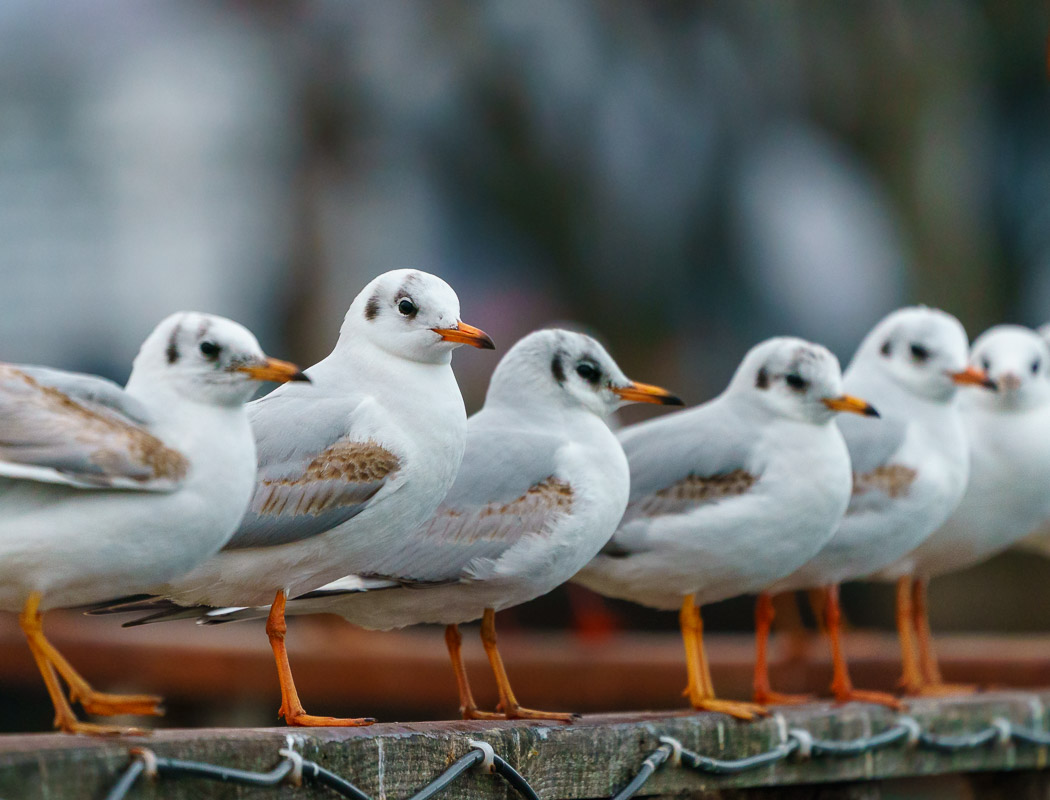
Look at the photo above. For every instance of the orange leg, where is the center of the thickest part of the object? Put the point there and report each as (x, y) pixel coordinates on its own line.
(841, 685)
(788, 619)
(291, 709)
(933, 684)
(700, 689)
(467, 707)
(911, 681)
(31, 621)
(763, 692)
(509, 707)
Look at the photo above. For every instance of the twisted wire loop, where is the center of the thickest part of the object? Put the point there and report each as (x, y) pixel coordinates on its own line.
(797, 742)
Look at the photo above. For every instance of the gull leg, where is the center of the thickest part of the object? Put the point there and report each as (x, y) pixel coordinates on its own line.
(933, 684)
(911, 681)
(763, 692)
(841, 685)
(788, 613)
(467, 707)
(700, 688)
(508, 703)
(291, 709)
(31, 621)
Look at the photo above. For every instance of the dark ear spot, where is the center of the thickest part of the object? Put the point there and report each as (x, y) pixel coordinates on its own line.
(558, 369)
(372, 307)
(172, 350)
(885, 349)
(762, 379)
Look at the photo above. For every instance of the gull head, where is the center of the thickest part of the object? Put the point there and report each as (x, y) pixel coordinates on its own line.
(413, 315)
(1016, 359)
(568, 370)
(796, 379)
(207, 359)
(923, 350)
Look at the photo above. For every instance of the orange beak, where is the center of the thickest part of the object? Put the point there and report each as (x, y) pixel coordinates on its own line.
(974, 377)
(466, 334)
(646, 393)
(851, 404)
(275, 370)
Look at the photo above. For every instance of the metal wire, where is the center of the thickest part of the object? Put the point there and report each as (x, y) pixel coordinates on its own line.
(797, 742)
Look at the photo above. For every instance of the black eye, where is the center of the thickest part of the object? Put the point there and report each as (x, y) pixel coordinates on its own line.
(886, 349)
(407, 307)
(919, 353)
(210, 350)
(588, 372)
(1035, 367)
(796, 382)
(986, 365)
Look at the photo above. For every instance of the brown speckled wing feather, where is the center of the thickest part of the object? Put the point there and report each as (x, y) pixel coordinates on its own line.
(75, 429)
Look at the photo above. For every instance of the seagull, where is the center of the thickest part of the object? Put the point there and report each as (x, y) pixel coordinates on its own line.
(1038, 541)
(909, 468)
(1007, 496)
(732, 495)
(116, 489)
(347, 470)
(542, 487)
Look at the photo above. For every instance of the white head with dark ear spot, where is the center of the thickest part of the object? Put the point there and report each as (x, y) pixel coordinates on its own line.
(411, 314)
(567, 369)
(207, 359)
(796, 379)
(1017, 360)
(923, 350)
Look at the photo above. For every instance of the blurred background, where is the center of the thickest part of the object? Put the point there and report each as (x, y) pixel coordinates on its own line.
(683, 179)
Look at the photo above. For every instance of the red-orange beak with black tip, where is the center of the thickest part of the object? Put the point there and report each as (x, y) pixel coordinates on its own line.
(273, 369)
(974, 377)
(466, 334)
(647, 393)
(851, 405)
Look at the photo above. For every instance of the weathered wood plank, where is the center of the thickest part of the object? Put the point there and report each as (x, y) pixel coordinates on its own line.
(589, 759)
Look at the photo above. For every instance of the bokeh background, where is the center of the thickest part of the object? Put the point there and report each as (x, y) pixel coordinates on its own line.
(681, 178)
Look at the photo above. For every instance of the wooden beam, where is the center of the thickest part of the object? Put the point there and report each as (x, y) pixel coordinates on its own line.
(589, 759)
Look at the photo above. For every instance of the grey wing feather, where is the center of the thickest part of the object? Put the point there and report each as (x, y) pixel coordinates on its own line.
(81, 431)
(315, 471)
(506, 489)
(872, 443)
(99, 394)
(682, 447)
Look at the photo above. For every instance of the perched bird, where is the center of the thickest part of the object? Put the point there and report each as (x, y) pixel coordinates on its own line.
(909, 468)
(1007, 496)
(348, 470)
(1038, 541)
(731, 495)
(543, 484)
(110, 489)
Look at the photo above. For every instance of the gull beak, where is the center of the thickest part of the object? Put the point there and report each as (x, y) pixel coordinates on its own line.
(645, 393)
(851, 404)
(466, 334)
(974, 377)
(273, 369)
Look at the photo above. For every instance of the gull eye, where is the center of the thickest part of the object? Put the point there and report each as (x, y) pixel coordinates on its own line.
(210, 350)
(1035, 367)
(588, 372)
(920, 353)
(407, 307)
(796, 382)
(986, 365)
(886, 348)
